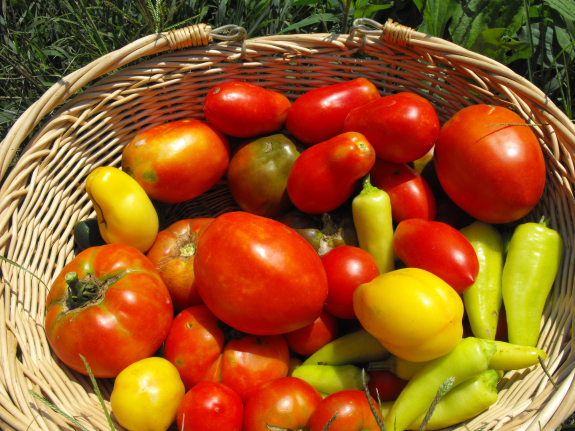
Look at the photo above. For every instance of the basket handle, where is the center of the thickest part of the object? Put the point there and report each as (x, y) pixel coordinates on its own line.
(194, 35)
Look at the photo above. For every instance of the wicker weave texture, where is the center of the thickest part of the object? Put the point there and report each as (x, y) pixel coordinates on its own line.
(43, 195)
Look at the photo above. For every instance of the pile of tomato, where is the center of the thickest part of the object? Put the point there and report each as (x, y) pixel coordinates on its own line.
(203, 322)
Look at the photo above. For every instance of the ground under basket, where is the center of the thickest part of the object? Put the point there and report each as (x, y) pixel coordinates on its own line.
(43, 194)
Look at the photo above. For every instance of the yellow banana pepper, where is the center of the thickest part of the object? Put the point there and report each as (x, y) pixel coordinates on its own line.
(125, 213)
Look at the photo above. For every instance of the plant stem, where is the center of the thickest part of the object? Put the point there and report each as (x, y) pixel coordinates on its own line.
(530, 37)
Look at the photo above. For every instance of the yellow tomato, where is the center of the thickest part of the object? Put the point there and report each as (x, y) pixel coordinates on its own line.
(413, 313)
(147, 394)
(125, 213)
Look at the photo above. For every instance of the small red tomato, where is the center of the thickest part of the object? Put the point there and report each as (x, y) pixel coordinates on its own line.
(210, 406)
(319, 114)
(346, 267)
(173, 254)
(251, 361)
(314, 336)
(282, 404)
(243, 109)
(402, 128)
(385, 384)
(489, 164)
(177, 161)
(409, 193)
(194, 345)
(437, 248)
(324, 176)
(354, 413)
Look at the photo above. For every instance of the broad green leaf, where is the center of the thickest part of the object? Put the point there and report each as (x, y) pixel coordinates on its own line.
(436, 15)
(542, 42)
(369, 10)
(495, 43)
(314, 19)
(565, 41)
(564, 7)
(304, 2)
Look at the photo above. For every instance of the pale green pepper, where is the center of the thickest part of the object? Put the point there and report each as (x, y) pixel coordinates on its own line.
(331, 378)
(125, 213)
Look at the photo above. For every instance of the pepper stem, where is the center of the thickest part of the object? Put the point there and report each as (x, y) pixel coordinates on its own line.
(544, 222)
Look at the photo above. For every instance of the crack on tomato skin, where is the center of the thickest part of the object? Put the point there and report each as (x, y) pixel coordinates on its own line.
(184, 249)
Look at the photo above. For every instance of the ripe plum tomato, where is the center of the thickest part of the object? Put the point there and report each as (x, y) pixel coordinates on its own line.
(346, 267)
(258, 172)
(439, 249)
(99, 306)
(282, 404)
(409, 193)
(173, 254)
(319, 114)
(251, 361)
(147, 394)
(243, 109)
(272, 280)
(354, 413)
(324, 176)
(311, 338)
(402, 128)
(385, 384)
(210, 406)
(194, 345)
(490, 165)
(177, 161)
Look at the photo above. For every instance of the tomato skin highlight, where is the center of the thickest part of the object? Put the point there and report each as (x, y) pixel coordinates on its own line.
(114, 330)
(489, 164)
(243, 109)
(319, 114)
(272, 279)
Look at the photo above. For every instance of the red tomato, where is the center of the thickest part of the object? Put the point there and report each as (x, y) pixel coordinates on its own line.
(319, 114)
(346, 267)
(210, 406)
(488, 165)
(282, 404)
(385, 384)
(110, 323)
(324, 176)
(354, 413)
(439, 249)
(243, 109)
(272, 280)
(409, 193)
(402, 128)
(194, 345)
(177, 161)
(251, 361)
(173, 254)
(311, 338)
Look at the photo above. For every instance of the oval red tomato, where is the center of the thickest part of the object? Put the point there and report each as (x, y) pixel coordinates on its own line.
(438, 248)
(311, 338)
(157, 158)
(409, 193)
(402, 128)
(489, 164)
(354, 413)
(282, 404)
(385, 384)
(210, 406)
(346, 267)
(109, 323)
(319, 114)
(272, 280)
(243, 109)
(173, 254)
(324, 176)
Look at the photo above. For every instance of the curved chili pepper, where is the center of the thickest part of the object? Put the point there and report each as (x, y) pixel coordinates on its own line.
(529, 272)
(374, 225)
(484, 298)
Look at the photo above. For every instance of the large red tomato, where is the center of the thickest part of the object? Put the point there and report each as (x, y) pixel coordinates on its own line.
(354, 413)
(177, 161)
(243, 109)
(258, 275)
(311, 338)
(173, 254)
(210, 406)
(99, 307)
(490, 164)
(319, 114)
(282, 404)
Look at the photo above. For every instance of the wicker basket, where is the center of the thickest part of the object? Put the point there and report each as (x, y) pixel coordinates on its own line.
(43, 195)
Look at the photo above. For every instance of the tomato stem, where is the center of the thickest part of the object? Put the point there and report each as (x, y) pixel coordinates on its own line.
(80, 291)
